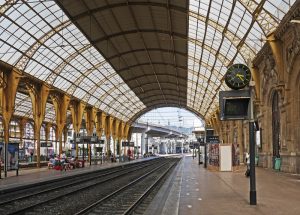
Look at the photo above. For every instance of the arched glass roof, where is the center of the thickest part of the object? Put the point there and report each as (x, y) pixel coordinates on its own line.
(127, 56)
(38, 38)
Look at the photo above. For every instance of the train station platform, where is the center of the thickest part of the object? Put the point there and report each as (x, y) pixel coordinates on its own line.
(37, 175)
(195, 190)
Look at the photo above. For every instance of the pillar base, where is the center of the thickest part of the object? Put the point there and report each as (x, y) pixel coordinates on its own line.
(253, 197)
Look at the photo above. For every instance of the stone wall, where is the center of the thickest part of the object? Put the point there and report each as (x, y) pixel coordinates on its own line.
(278, 65)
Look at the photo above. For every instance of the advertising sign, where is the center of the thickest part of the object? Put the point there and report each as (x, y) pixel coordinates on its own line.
(13, 155)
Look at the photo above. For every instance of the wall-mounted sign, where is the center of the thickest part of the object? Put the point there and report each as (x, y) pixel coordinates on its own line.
(212, 139)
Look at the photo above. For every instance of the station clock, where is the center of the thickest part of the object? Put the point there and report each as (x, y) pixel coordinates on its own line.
(237, 76)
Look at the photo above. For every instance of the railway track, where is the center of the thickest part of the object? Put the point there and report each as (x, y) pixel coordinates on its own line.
(127, 198)
(35, 200)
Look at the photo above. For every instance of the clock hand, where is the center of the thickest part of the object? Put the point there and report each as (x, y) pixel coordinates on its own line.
(240, 76)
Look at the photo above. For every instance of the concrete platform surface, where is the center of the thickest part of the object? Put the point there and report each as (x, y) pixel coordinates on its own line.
(37, 175)
(195, 190)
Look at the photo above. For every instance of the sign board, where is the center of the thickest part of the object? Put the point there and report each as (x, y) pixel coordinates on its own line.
(209, 132)
(194, 145)
(126, 143)
(234, 104)
(83, 139)
(99, 149)
(212, 139)
(94, 139)
(88, 140)
(46, 144)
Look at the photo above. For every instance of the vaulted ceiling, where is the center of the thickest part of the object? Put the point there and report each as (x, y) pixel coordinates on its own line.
(127, 57)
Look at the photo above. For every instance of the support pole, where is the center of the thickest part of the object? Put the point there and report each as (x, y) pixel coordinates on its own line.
(7, 100)
(147, 144)
(47, 134)
(252, 154)
(61, 104)
(205, 155)
(38, 95)
(77, 109)
(252, 164)
(193, 150)
(121, 137)
(199, 154)
(90, 117)
(90, 154)
(143, 143)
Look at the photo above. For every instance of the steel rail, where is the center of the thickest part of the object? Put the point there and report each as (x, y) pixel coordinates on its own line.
(92, 176)
(27, 208)
(79, 175)
(131, 209)
(95, 204)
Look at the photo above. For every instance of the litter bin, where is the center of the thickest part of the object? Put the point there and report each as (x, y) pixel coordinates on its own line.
(277, 164)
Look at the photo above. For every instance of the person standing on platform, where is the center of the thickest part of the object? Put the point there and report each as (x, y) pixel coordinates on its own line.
(247, 173)
(129, 154)
(31, 156)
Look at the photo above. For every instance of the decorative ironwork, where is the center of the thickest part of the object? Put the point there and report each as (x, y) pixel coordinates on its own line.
(2, 80)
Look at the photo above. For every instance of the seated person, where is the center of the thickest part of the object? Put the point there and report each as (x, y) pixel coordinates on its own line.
(67, 164)
(73, 162)
(57, 161)
(78, 163)
(51, 162)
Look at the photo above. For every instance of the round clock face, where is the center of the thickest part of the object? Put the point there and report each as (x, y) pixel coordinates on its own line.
(237, 76)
